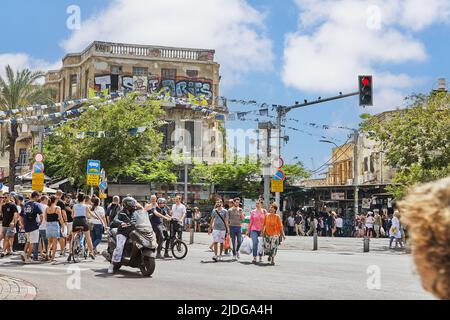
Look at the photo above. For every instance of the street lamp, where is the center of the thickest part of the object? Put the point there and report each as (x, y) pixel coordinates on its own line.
(328, 141)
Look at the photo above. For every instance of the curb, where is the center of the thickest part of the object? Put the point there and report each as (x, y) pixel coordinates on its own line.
(16, 289)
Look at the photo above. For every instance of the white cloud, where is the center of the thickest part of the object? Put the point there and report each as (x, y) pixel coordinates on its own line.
(337, 40)
(19, 61)
(232, 27)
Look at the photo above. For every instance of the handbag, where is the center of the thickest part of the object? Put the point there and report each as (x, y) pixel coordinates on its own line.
(227, 242)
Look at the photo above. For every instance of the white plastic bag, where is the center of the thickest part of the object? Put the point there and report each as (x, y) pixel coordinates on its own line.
(246, 246)
(260, 246)
(383, 233)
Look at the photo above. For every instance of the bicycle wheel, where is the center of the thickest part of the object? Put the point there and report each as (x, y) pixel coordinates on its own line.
(179, 249)
(75, 247)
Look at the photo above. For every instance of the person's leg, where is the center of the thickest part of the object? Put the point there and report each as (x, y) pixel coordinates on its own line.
(233, 236)
(215, 248)
(98, 228)
(87, 234)
(254, 236)
(221, 248)
(239, 239)
(120, 243)
(53, 242)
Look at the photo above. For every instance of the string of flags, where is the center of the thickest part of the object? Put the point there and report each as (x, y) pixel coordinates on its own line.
(190, 103)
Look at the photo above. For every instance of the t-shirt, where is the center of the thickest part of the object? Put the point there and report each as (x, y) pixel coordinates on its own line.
(68, 209)
(8, 211)
(188, 213)
(43, 225)
(61, 204)
(291, 221)
(369, 222)
(112, 210)
(235, 216)
(155, 220)
(298, 219)
(30, 212)
(218, 223)
(339, 223)
(178, 211)
(98, 212)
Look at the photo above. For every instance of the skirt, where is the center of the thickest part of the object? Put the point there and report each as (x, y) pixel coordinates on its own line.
(53, 230)
(271, 244)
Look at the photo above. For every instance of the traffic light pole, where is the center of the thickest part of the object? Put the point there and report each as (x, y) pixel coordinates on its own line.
(283, 110)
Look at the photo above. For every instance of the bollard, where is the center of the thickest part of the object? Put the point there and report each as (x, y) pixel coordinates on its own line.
(315, 241)
(191, 239)
(366, 244)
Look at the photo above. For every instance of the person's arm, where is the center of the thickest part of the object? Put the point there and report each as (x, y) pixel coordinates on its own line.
(60, 218)
(183, 215)
(88, 213)
(227, 224)
(250, 224)
(242, 214)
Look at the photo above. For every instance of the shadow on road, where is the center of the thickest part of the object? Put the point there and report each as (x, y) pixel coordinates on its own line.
(212, 261)
(122, 274)
(259, 264)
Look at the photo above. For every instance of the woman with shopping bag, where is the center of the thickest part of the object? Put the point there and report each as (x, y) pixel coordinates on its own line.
(255, 226)
(272, 233)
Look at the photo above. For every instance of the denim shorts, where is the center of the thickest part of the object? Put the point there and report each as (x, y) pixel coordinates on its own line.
(8, 232)
(53, 230)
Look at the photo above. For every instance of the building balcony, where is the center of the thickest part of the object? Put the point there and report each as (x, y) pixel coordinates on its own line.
(127, 50)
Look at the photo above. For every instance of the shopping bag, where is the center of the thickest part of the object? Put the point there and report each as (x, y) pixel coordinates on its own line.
(246, 246)
(227, 242)
(383, 233)
(260, 246)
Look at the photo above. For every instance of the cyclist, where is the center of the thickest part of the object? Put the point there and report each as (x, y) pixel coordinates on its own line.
(81, 214)
(157, 214)
(124, 222)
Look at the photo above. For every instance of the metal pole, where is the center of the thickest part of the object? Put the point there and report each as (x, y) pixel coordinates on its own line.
(279, 116)
(186, 183)
(92, 191)
(355, 170)
(267, 171)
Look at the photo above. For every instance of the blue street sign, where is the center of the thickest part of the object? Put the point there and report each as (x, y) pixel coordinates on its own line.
(1, 186)
(38, 167)
(93, 167)
(102, 185)
(279, 175)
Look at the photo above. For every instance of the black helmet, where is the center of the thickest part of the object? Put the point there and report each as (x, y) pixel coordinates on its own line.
(162, 200)
(129, 203)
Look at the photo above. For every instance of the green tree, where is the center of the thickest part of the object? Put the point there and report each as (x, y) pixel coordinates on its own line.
(19, 89)
(416, 140)
(295, 172)
(123, 154)
(241, 175)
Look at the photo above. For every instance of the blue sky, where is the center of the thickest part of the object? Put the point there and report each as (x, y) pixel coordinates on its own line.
(277, 52)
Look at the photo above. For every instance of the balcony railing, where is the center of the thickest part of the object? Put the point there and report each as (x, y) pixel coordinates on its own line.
(148, 51)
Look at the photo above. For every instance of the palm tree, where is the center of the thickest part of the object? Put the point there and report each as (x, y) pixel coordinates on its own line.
(19, 89)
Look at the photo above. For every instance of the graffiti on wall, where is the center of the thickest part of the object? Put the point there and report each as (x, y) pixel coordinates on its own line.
(199, 89)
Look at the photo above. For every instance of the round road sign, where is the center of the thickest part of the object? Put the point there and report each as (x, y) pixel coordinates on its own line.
(38, 157)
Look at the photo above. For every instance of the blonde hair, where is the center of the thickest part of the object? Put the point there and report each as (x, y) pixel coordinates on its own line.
(426, 211)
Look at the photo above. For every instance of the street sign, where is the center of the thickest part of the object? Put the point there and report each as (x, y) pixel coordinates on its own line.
(38, 157)
(1, 186)
(102, 195)
(103, 185)
(276, 185)
(93, 180)
(93, 167)
(278, 163)
(38, 167)
(37, 181)
(279, 175)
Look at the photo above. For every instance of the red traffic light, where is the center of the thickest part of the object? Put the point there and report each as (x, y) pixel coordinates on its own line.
(365, 81)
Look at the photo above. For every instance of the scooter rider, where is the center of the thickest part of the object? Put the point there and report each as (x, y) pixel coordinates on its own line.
(157, 214)
(124, 222)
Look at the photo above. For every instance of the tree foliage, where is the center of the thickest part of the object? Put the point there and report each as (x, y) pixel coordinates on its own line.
(122, 154)
(295, 172)
(19, 88)
(416, 140)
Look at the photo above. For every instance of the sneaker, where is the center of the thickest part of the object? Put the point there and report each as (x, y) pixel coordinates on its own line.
(159, 256)
(23, 256)
(237, 255)
(234, 257)
(215, 258)
(219, 258)
(111, 268)
(260, 259)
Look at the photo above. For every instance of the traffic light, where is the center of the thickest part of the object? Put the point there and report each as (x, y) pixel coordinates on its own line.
(365, 91)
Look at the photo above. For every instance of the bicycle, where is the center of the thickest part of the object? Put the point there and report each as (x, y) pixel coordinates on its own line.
(79, 245)
(178, 247)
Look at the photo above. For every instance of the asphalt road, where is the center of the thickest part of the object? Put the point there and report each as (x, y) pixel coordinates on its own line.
(335, 271)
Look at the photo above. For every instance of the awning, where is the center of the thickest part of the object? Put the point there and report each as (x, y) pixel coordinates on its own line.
(57, 184)
(46, 190)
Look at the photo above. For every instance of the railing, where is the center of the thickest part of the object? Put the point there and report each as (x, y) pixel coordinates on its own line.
(148, 51)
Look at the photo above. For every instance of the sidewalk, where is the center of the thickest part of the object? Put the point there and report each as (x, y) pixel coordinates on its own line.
(327, 244)
(16, 289)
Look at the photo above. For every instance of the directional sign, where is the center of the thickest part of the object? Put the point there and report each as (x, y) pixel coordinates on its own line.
(93, 167)
(102, 195)
(279, 175)
(38, 167)
(38, 157)
(276, 185)
(93, 180)
(103, 185)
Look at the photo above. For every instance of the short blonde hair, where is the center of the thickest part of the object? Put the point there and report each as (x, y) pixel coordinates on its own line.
(426, 211)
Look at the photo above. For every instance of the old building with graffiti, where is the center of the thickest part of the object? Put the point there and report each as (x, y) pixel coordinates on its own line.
(186, 73)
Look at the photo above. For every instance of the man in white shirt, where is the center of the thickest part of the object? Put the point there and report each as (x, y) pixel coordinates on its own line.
(179, 212)
(339, 226)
